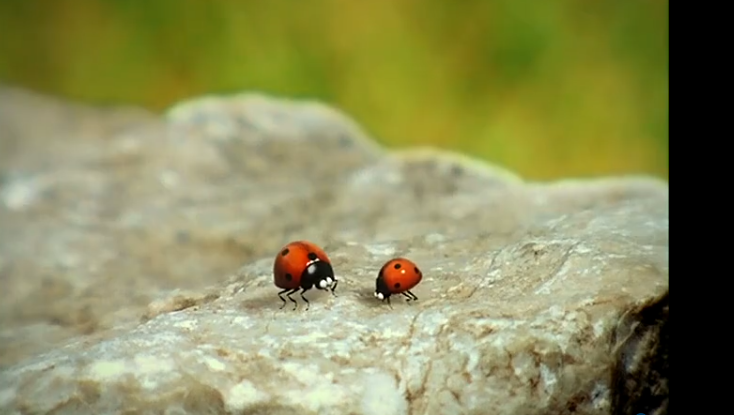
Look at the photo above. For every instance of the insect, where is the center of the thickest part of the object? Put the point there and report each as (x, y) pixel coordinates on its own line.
(397, 276)
(302, 264)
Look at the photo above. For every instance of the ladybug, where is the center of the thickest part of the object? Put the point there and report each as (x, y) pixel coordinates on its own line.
(302, 264)
(397, 276)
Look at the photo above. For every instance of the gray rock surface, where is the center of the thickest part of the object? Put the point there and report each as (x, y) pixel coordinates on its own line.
(136, 255)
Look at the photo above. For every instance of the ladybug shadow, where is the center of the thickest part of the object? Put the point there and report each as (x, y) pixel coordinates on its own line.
(367, 298)
(259, 303)
(271, 301)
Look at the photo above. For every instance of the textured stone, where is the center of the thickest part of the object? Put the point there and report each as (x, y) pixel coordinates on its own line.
(136, 257)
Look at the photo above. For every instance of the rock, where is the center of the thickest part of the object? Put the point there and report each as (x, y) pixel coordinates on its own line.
(136, 256)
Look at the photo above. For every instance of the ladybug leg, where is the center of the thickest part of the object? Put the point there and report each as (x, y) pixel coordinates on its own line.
(280, 295)
(388, 302)
(333, 288)
(308, 304)
(415, 298)
(410, 296)
(291, 292)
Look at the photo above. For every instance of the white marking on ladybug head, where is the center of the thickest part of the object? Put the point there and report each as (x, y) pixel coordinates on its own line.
(323, 284)
(379, 296)
(311, 269)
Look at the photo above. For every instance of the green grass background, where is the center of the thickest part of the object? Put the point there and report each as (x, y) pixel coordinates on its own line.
(546, 88)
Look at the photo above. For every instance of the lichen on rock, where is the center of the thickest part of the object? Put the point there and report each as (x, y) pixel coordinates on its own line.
(136, 259)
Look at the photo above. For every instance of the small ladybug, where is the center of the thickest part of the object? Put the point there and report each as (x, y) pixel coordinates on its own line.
(302, 264)
(397, 276)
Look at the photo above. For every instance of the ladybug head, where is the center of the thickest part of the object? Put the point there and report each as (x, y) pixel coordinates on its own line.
(319, 274)
(382, 292)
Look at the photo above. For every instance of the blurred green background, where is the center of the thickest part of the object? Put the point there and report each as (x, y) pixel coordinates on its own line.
(546, 88)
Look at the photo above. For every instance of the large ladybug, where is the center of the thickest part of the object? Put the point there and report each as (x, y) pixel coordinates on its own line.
(302, 264)
(397, 276)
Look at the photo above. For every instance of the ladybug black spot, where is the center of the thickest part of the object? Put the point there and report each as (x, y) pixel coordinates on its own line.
(397, 285)
(312, 256)
(288, 277)
(397, 266)
(285, 252)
